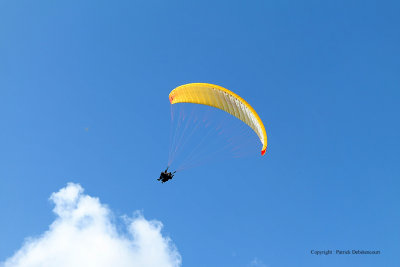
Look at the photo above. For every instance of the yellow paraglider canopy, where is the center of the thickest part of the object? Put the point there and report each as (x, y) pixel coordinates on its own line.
(219, 97)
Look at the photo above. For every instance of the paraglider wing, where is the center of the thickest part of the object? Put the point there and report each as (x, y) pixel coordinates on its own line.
(221, 98)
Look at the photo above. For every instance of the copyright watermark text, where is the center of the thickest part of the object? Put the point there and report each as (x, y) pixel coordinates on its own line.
(344, 252)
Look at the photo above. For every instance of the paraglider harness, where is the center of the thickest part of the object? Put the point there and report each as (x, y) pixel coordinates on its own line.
(165, 175)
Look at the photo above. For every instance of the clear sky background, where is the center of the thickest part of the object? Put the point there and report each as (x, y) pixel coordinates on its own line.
(322, 75)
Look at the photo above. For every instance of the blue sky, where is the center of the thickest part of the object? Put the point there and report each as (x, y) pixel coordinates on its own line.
(323, 76)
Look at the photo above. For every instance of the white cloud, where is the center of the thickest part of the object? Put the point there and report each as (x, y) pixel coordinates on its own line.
(84, 234)
(257, 263)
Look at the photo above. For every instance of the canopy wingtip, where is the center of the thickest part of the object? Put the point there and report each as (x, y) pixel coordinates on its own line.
(263, 151)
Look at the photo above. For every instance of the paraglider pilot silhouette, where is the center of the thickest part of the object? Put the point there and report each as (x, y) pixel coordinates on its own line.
(165, 175)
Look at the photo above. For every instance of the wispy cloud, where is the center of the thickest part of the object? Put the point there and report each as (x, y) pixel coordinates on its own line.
(257, 263)
(84, 234)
